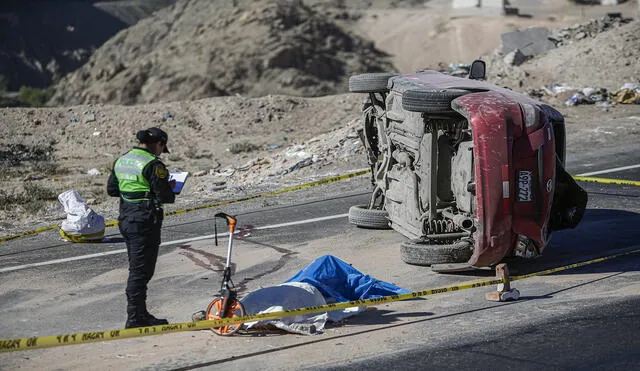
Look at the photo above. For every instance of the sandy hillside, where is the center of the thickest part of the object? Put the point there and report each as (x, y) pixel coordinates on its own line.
(434, 34)
(419, 39)
(251, 48)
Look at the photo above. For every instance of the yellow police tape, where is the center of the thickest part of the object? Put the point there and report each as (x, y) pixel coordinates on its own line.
(37, 342)
(113, 223)
(29, 233)
(607, 180)
(92, 237)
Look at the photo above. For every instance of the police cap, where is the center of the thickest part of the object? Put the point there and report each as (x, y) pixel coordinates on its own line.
(153, 135)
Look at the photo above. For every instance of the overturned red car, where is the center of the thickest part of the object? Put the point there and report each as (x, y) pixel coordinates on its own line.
(468, 171)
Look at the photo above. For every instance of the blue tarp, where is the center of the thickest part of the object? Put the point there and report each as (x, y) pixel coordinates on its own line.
(339, 280)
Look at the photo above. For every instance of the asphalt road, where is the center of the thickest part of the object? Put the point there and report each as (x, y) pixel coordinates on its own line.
(601, 337)
(585, 318)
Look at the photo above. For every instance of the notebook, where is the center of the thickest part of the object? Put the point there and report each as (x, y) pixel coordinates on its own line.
(180, 178)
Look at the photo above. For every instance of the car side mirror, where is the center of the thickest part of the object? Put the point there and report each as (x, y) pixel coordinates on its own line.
(478, 70)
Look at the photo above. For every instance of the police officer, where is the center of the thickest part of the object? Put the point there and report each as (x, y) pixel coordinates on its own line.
(141, 181)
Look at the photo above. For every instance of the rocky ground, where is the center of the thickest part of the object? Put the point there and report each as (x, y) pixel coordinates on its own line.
(250, 143)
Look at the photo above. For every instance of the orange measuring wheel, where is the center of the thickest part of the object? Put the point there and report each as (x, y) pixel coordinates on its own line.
(214, 311)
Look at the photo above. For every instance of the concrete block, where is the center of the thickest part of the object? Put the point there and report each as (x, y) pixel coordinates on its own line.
(531, 41)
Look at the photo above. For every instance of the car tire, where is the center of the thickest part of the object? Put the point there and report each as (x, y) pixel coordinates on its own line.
(431, 100)
(362, 216)
(370, 82)
(418, 252)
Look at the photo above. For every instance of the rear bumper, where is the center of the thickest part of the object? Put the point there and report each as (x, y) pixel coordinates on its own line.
(514, 175)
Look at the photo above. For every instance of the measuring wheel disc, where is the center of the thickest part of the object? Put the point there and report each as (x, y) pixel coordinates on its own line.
(214, 311)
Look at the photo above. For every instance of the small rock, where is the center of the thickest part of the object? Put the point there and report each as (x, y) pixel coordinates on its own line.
(200, 173)
(514, 58)
(32, 177)
(93, 171)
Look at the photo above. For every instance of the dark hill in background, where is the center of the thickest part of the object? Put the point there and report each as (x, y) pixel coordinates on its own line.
(203, 48)
(43, 40)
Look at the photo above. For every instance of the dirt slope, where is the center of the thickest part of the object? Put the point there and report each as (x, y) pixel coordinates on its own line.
(202, 48)
(607, 60)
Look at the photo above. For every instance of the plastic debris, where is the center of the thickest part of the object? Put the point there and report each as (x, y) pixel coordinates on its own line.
(459, 69)
(300, 164)
(555, 89)
(627, 96)
(578, 98)
(629, 93)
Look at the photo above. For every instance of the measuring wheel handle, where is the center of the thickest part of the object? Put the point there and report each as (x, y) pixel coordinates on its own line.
(231, 223)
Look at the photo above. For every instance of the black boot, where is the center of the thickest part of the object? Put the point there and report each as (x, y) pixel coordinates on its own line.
(136, 320)
(153, 321)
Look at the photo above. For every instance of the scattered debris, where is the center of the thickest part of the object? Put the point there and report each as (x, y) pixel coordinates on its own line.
(300, 164)
(578, 98)
(459, 69)
(590, 29)
(629, 93)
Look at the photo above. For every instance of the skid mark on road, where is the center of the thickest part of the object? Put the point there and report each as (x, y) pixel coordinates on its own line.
(284, 258)
(215, 262)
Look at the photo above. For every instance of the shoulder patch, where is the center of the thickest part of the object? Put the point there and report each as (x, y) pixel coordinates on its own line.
(162, 172)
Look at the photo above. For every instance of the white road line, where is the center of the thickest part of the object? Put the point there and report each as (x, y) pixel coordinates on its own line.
(612, 170)
(174, 242)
